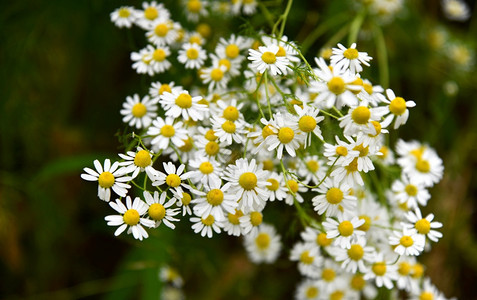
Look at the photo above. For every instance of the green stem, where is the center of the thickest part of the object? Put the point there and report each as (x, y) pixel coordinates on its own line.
(382, 57)
(284, 18)
(321, 29)
(328, 114)
(266, 93)
(355, 26)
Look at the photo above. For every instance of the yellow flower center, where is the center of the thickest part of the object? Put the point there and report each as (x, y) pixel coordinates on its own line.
(142, 159)
(367, 223)
(341, 151)
(406, 241)
(184, 101)
(165, 88)
(151, 13)
(266, 131)
(216, 74)
(106, 180)
(377, 128)
(231, 113)
(357, 282)
(159, 55)
(194, 6)
(307, 123)
(336, 85)
(397, 106)
(225, 62)
(423, 166)
(262, 241)
(204, 30)
(173, 180)
(293, 185)
(345, 228)
(208, 221)
(306, 258)
(215, 197)
(269, 58)
(361, 115)
(192, 53)
(187, 145)
(357, 81)
(322, 240)
(146, 59)
(212, 148)
(417, 270)
(311, 292)
(206, 167)
(157, 211)
(248, 181)
(285, 135)
(423, 226)
(404, 268)
(161, 30)
(186, 199)
(124, 13)
(168, 131)
(268, 165)
(256, 218)
(356, 252)
(353, 166)
(334, 195)
(328, 274)
(368, 88)
(379, 268)
(350, 53)
(274, 184)
(131, 217)
(235, 218)
(210, 135)
(229, 126)
(281, 51)
(426, 296)
(139, 110)
(363, 151)
(336, 295)
(195, 39)
(417, 153)
(411, 190)
(232, 51)
(313, 165)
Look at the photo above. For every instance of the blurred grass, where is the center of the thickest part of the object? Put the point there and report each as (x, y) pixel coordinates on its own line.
(65, 72)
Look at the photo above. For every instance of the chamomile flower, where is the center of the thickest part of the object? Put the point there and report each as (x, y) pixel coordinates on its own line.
(308, 289)
(232, 223)
(150, 13)
(228, 131)
(130, 217)
(345, 229)
(195, 9)
(397, 108)
(349, 173)
(294, 191)
(192, 56)
(180, 103)
(165, 132)
(404, 280)
(216, 77)
(159, 210)
(251, 221)
(123, 16)
(307, 120)
(109, 177)
(373, 93)
(312, 168)
(359, 119)
(335, 88)
(408, 242)
(135, 162)
(422, 166)
(184, 201)
(142, 61)
(212, 149)
(170, 275)
(139, 112)
(277, 188)
(354, 258)
(265, 246)
(215, 201)
(334, 198)
(285, 135)
(157, 89)
(163, 32)
(232, 67)
(456, 10)
(410, 193)
(309, 259)
(159, 60)
(206, 225)
(349, 58)
(266, 59)
(382, 271)
(316, 237)
(205, 171)
(424, 226)
(231, 48)
(285, 48)
(173, 177)
(330, 276)
(428, 291)
(340, 154)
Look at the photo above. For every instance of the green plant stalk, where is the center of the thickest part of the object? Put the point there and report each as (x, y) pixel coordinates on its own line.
(382, 57)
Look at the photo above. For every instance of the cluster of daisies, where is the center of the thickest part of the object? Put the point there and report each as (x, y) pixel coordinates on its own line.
(217, 152)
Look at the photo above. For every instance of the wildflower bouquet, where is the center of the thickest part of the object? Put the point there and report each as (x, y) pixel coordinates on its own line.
(251, 121)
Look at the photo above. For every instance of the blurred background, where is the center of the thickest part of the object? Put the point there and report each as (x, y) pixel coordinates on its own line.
(65, 72)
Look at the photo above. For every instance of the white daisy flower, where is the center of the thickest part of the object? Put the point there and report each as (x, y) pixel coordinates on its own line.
(359, 119)
(331, 275)
(348, 173)
(423, 226)
(109, 177)
(382, 271)
(335, 88)
(162, 32)
(231, 67)
(248, 183)
(285, 135)
(205, 171)
(206, 225)
(142, 61)
(215, 201)
(123, 16)
(165, 133)
(456, 10)
(397, 108)
(150, 13)
(232, 223)
(387, 156)
(139, 112)
(130, 217)
(408, 242)
(316, 237)
(422, 166)
(410, 193)
(216, 77)
(231, 48)
(358, 286)
(212, 149)
(194, 38)
(266, 58)
(309, 259)
(354, 258)
(311, 168)
(349, 58)
(342, 152)
(308, 289)
(428, 291)
(170, 275)
(250, 222)
(173, 178)
(195, 9)
(373, 93)
(265, 246)
(159, 60)
(180, 103)
(184, 201)
(285, 48)
(334, 198)
(307, 121)
(277, 188)
(159, 210)
(136, 162)
(404, 267)
(345, 230)
(157, 89)
(192, 56)
(228, 131)
(294, 191)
